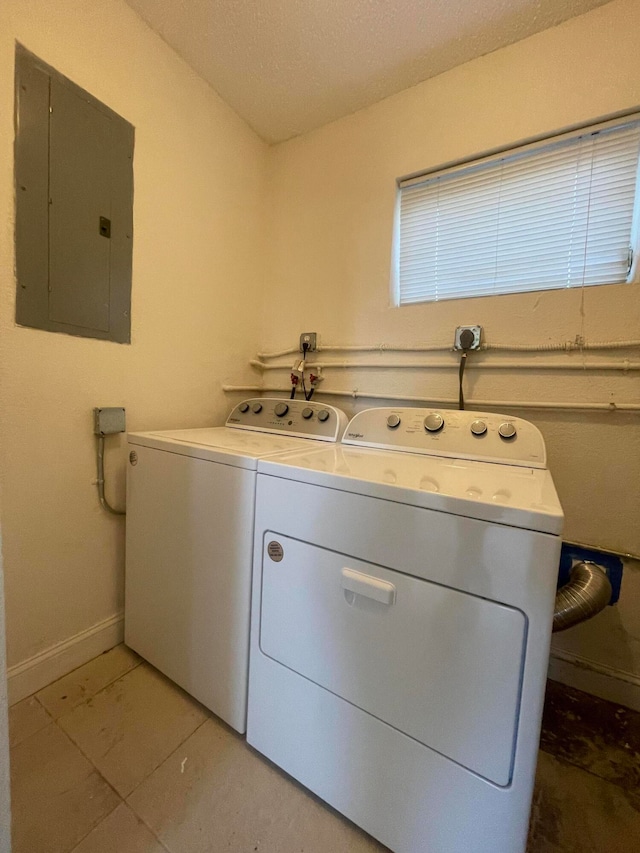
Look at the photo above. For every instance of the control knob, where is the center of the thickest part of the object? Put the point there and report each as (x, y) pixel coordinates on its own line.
(393, 421)
(256, 408)
(323, 415)
(507, 430)
(243, 407)
(478, 427)
(307, 413)
(281, 409)
(433, 422)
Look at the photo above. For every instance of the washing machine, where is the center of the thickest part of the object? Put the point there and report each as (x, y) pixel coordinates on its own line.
(401, 624)
(189, 538)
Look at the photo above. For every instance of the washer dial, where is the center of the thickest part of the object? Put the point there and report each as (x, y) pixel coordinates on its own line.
(507, 430)
(478, 427)
(323, 415)
(393, 421)
(433, 422)
(281, 409)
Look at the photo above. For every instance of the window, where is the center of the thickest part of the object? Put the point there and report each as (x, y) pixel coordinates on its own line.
(551, 215)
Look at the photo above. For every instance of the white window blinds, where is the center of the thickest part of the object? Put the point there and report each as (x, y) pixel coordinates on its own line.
(554, 215)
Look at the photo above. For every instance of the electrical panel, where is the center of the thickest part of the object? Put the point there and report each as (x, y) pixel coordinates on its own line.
(74, 207)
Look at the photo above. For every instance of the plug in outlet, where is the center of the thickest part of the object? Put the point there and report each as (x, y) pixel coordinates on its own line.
(310, 339)
(467, 337)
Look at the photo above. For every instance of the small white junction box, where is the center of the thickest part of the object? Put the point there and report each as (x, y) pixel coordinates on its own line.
(109, 420)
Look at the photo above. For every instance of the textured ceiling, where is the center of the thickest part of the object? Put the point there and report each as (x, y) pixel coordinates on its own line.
(287, 66)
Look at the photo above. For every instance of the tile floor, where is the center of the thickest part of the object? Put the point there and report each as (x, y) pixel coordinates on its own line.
(113, 758)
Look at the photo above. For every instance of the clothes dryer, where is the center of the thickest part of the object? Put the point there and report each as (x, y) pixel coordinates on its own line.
(189, 535)
(401, 624)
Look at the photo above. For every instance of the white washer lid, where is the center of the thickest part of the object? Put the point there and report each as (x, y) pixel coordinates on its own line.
(504, 494)
(225, 445)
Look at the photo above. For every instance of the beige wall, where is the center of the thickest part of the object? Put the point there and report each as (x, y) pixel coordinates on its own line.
(602, 656)
(199, 257)
(5, 797)
(197, 277)
(333, 195)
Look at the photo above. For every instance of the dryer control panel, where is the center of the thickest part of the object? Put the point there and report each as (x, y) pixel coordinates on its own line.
(484, 436)
(297, 418)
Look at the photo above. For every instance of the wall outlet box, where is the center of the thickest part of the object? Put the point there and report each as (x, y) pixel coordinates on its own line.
(109, 420)
(461, 343)
(310, 339)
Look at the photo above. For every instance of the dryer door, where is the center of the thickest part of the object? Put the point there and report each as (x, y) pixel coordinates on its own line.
(440, 665)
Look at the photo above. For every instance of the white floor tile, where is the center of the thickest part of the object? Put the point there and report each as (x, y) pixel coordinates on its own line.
(131, 726)
(120, 832)
(216, 794)
(25, 719)
(56, 795)
(75, 688)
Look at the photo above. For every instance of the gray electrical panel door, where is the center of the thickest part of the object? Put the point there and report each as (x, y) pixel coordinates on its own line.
(74, 200)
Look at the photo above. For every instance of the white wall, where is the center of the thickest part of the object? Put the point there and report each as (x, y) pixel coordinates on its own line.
(5, 807)
(199, 257)
(602, 656)
(197, 280)
(333, 193)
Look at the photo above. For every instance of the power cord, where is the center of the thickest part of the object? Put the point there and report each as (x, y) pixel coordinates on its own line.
(297, 375)
(463, 361)
(305, 349)
(466, 342)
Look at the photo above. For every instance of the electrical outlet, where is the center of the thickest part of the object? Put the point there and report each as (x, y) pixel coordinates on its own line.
(476, 331)
(310, 339)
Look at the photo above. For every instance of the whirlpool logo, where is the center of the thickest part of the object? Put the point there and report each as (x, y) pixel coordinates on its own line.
(355, 434)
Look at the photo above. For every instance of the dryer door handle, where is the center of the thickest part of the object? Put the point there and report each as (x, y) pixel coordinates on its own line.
(369, 586)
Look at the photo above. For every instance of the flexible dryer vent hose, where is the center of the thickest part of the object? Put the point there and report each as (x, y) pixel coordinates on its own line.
(587, 593)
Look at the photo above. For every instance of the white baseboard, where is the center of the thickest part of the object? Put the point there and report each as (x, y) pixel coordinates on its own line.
(617, 686)
(33, 674)
(37, 672)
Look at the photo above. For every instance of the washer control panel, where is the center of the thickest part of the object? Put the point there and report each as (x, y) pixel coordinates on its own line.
(298, 418)
(485, 436)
